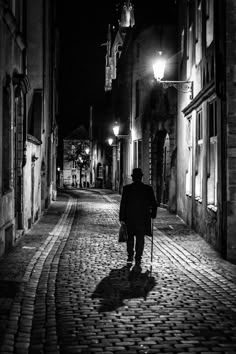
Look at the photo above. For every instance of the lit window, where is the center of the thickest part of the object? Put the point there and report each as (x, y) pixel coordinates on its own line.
(190, 51)
(137, 94)
(198, 34)
(212, 155)
(199, 156)
(137, 153)
(189, 156)
(182, 42)
(209, 22)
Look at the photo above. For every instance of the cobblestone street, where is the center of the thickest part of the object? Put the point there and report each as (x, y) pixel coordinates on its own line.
(65, 287)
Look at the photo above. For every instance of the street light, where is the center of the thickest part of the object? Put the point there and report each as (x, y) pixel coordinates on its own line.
(116, 130)
(159, 71)
(110, 142)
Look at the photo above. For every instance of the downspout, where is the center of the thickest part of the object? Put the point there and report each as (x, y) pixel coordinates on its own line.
(24, 68)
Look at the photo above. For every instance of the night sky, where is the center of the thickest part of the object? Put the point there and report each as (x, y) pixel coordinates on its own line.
(83, 28)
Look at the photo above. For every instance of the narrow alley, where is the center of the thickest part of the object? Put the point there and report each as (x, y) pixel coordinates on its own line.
(65, 287)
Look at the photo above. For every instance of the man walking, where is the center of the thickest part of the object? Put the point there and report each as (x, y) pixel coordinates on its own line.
(138, 205)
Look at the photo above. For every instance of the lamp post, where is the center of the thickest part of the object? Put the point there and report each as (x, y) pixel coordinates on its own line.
(159, 72)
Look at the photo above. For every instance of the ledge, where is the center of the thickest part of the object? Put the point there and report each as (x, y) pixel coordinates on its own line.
(212, 208)
(207, 91)
(198, 199)
(33, 139)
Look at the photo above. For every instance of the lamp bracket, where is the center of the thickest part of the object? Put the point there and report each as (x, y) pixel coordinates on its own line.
(183, 86)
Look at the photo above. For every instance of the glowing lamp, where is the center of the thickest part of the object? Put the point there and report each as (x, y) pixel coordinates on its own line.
(159, 67)
(116, 129)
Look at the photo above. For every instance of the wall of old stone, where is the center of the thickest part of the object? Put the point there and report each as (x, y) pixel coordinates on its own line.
(10, 61)
(231, 127)
(32, 185)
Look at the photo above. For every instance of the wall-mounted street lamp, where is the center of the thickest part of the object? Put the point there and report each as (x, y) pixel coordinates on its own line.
(116, 131)
(110, 142)
(159, 72)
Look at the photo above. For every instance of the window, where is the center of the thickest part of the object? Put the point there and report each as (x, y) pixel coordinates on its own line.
(137, 97)
(6, 139)
(189, 156)
(36, 114)
(209, 22)
(137, 153)
(212, 154)
(198, 33)
(190, 51)
(182, 42)
(199, 156)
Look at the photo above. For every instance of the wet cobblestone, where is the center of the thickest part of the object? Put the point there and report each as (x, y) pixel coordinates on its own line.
(74, 293)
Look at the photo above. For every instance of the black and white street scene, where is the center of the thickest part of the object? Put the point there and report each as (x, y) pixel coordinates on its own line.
(117, 177)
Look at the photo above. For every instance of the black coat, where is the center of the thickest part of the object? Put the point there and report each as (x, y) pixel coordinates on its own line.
(138, 205)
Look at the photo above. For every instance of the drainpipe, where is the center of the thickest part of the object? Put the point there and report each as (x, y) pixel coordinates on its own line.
(24, 68)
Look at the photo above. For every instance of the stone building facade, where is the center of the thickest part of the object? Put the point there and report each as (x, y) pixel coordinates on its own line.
(184, 141)
(206, 124)
(28, 134)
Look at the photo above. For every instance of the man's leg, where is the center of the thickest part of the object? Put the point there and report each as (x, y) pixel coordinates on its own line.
(139, 248)
(130, 247)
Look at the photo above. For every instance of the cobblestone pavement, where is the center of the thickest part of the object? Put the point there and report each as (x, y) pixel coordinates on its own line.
(65, 287)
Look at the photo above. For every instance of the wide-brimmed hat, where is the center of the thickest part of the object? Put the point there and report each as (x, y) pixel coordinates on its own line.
(137, 172)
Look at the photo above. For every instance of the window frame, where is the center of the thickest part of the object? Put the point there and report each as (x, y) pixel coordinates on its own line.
(199, 155)
(189, 168)
(212, 143)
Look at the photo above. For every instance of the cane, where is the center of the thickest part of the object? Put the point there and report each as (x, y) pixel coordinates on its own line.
(151, 245)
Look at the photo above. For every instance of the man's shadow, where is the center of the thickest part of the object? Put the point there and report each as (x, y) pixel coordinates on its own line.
(123, 284)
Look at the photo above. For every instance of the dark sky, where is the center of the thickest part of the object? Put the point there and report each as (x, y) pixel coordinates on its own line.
(83, 27)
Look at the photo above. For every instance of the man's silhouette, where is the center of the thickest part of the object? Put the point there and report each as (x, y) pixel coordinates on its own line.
(138, 205)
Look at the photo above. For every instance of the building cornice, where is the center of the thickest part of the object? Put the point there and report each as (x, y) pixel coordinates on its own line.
(201, 96)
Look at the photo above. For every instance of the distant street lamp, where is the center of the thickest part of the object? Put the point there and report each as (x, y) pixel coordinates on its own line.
(159, 72)
(116, 129)
(110, 141)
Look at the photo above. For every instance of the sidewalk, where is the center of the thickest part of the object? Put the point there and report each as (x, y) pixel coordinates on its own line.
(13, 265)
